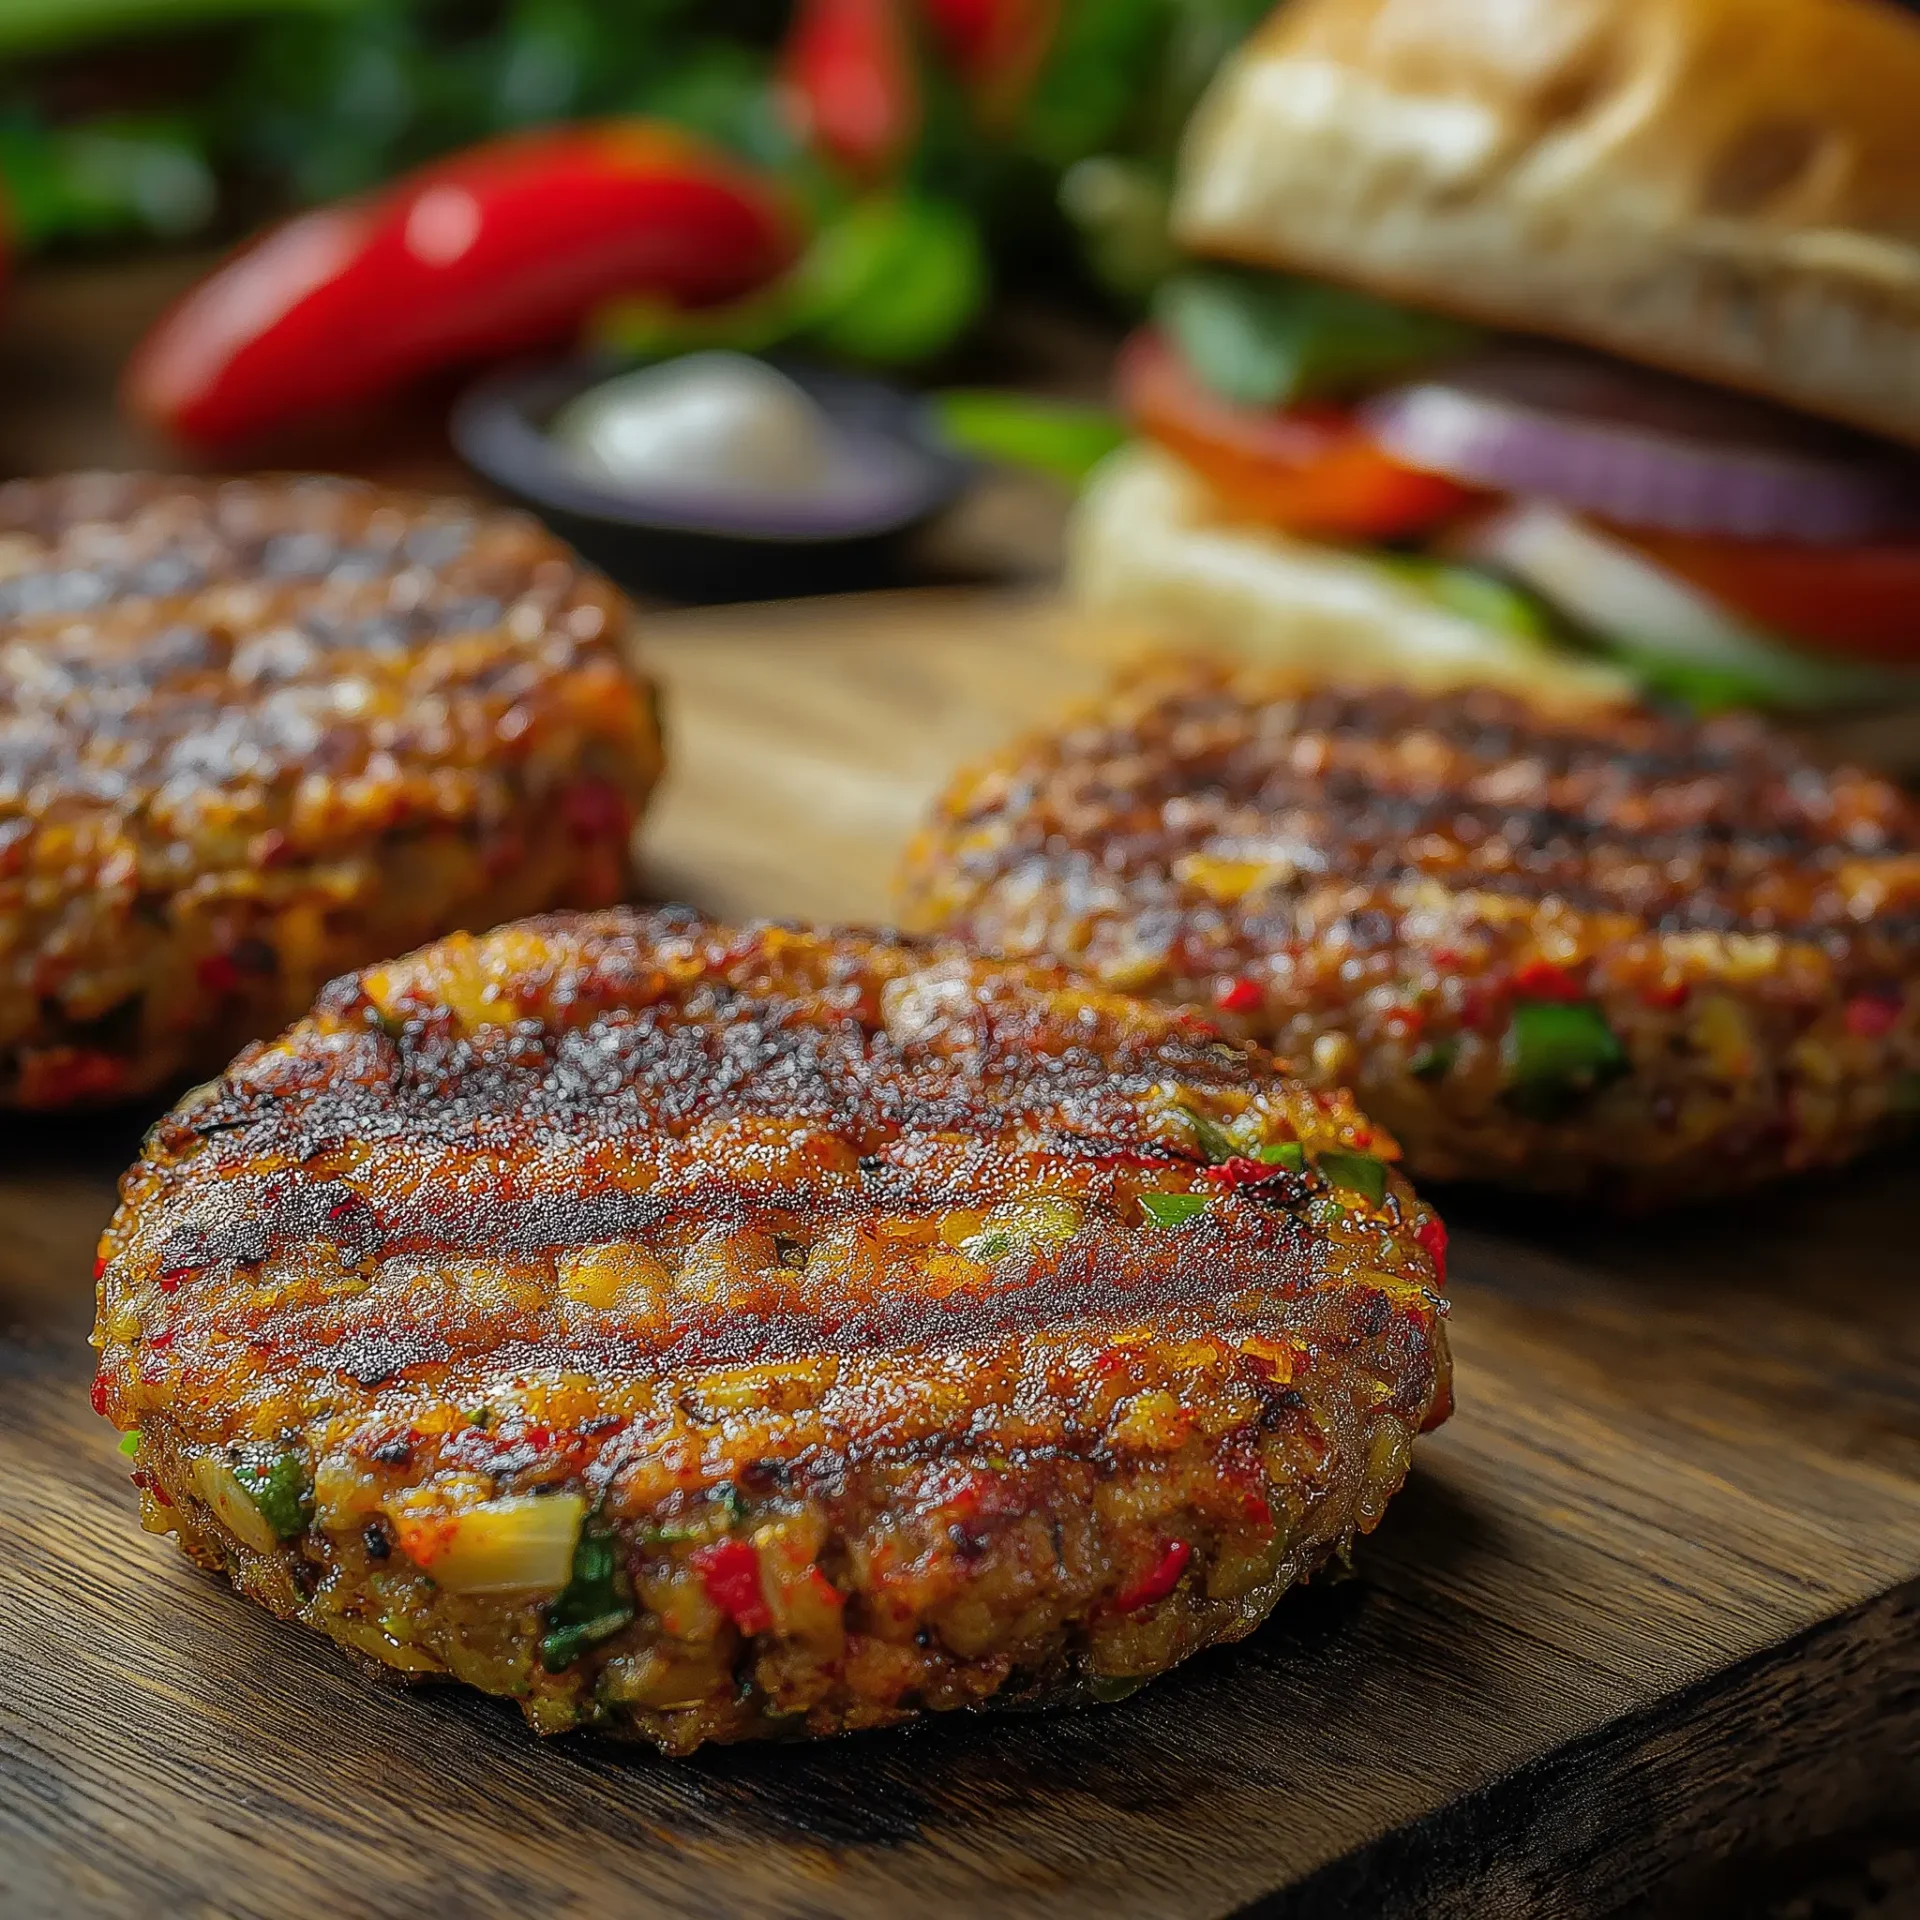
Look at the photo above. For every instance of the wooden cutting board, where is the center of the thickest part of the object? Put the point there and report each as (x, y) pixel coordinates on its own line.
(1644, 1626)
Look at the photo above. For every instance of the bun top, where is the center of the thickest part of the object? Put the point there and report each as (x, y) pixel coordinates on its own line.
(1728, 188)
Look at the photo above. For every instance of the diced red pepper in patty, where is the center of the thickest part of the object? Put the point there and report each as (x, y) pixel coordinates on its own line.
(729, 1570)
(1159, 1580)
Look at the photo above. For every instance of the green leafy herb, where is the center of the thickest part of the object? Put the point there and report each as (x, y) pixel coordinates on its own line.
(1359, 1173)
(1264, 340)
(595, 1604)
(1435, 1060)
(1557, 1053)
(1173, 1209)
(277, 1484)
(1285, 1153)
(1056, 437)
(893, 281)
(40, 26)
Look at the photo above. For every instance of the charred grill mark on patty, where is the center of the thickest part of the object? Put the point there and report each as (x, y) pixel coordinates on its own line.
(904, 1330)
(1375, 882)
(255, 732)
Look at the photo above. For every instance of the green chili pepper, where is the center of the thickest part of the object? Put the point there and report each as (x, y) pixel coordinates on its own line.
(1435, 1060)
(1557, 1052)
(130, 1443)
(1285, 1153)
(278, 1485)
(1173, 1209)
(1359, 1173)
(595, 1604)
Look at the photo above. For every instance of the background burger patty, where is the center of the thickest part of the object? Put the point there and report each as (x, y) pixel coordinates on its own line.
(255, 732)
(700, 1334)
(1607, 951)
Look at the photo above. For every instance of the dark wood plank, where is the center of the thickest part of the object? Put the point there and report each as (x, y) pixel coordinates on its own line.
(1647, 1602)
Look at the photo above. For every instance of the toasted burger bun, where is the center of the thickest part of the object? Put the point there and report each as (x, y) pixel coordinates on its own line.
(1148, 545)
(1726, 188)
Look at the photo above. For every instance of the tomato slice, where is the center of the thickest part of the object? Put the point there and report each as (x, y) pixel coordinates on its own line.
(1863, 601)
(1307, 469)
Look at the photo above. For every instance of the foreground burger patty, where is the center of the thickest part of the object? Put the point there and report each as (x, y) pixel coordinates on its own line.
(700, 1335)
(1587, 949)
(255, 732)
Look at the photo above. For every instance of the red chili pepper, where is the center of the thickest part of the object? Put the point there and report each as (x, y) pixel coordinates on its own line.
(851, 85)
(997, 47)
(729, 1570)
(496, 250)
(1872, 1015)
(98, 1397)
(1541, 980)
(99, 1266)
(1237, 996)
(1159, 1580)
(1255, 1510)
(1242, 1171)
(1432, 1234)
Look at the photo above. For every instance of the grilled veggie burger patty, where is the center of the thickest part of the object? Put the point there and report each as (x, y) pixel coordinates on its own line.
(700, 1334)
(255, 732)
(1590, 949)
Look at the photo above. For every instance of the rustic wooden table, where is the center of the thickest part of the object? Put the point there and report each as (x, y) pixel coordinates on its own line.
(1642, 1634)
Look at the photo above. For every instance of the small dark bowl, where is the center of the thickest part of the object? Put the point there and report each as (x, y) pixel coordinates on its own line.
(708, 550)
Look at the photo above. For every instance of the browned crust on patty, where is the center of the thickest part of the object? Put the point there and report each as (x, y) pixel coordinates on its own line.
(255, 732)
(823, 1249)
(1375, 882)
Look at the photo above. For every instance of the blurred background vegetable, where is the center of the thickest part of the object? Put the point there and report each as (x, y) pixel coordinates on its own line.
(939, 147)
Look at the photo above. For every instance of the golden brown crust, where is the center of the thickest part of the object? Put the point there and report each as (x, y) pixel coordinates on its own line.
(255, 732)
(1729, 188)
(766, 1244)
(1429, 897)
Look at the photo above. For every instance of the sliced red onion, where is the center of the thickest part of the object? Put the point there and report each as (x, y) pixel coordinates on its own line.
(1645, 450)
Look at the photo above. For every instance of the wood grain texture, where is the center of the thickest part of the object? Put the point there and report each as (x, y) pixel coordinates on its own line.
(1644, 1618)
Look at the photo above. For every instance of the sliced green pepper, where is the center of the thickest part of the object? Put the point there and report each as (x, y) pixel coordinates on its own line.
(1557, 1053)
(1173, 1209)
(1359, 1173)
(278, 1485)
(595, 1604)
(1284, 1153)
